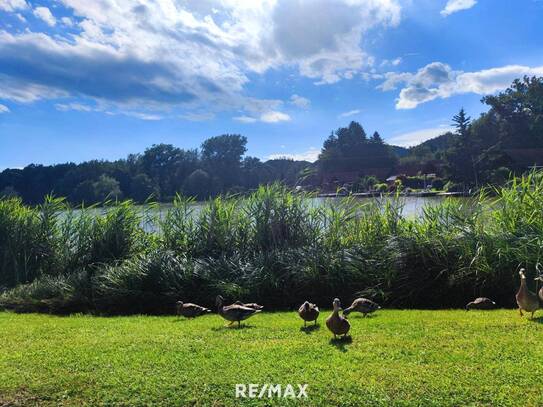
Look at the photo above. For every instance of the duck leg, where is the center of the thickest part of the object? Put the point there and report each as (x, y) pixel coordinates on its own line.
(239, 324)
(305, 323)
(315, 324)
(520, 311)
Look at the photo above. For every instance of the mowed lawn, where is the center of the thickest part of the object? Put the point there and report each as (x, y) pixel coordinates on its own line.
(453, 358)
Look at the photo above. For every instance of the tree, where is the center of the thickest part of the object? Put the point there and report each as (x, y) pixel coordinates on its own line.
(462, 158)
(9, 192)
(107, 188)
(221, 157)
(142, 188)
(376, 138)
(198, 185)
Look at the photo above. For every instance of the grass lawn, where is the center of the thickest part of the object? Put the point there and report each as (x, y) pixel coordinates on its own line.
(425, 358)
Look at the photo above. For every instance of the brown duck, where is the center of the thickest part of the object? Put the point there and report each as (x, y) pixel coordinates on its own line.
(234, 312)
(338, 324)
(308, 312)
(189, 310)
(252, 305)
(362, 305)
(526, 300)
(481, 303)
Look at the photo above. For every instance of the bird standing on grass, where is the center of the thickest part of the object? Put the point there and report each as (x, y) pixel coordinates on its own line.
(234, 312)
(526, 299)
(308, 312)
(338, 324)
(481, 303)
(362, 305)
(189, 310)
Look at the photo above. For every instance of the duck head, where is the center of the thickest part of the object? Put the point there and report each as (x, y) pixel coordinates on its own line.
(336, 304)
(521, 274)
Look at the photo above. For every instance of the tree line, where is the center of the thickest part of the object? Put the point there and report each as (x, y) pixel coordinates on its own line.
(476, 153)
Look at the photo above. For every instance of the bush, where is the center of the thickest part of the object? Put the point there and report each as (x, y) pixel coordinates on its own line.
(274, 247)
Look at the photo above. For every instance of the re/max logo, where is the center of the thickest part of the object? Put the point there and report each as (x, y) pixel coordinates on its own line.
(254, 391)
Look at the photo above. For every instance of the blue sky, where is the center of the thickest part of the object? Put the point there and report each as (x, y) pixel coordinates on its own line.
(86, 79)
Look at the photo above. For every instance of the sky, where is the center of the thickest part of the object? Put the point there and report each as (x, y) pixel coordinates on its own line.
(100, 79)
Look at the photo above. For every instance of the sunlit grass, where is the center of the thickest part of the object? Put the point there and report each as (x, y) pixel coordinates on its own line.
(395, 357)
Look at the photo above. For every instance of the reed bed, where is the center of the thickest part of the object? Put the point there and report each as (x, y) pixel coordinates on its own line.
(272, 246)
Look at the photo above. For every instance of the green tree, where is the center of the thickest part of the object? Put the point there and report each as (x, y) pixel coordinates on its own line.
(106, 188)
(142, 188)
(221, 157)
(198, 185)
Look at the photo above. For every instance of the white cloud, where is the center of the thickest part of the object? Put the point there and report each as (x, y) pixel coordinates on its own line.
(12, 5)
(197, 117)
(310, 155)
(65, 107)
(349, 113)
(274, 117)
(439, 80)
(4, 109)
(418, 136)
(44, 14)
(67, 21)
(166, 54)
(300, 101)
(245, 119)
(453, 6)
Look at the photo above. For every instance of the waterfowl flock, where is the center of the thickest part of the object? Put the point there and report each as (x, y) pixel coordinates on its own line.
(338, 324)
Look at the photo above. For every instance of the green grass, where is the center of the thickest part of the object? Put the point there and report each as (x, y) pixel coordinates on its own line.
(396, 357)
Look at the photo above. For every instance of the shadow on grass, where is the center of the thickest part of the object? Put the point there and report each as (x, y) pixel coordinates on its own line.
(232, 327)
(538, 320)
(360, 316)
(341, 343)
(310, 328)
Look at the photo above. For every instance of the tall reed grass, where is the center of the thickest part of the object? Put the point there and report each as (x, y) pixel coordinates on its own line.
(274, 246)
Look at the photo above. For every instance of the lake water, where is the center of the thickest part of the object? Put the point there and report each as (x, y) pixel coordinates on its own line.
(412, 206)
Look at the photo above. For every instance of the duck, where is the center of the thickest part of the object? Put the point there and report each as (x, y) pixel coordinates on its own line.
(234, 312)
(308, 312)
(480, 303)
(362, 305)
(540, 278)
(252, 305)
(337, 324)
(189, 310)
(526, 299)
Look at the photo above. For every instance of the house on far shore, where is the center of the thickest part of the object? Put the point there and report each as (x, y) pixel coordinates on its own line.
(525, 158)
(333, 180)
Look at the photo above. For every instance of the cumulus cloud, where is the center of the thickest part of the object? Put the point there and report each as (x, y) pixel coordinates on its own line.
(245, 119)
(271, 116)
(439, 80)
(310, 155)
(274, 117)
(300, 101)
(12, 5)
(4, 109)
(166, 54)
(349, 113)
(413, 138)
(45, 14)
(454, 6)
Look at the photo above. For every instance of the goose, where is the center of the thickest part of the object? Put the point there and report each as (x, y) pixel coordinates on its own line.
(540, 278)
(480, 303)
(526, 299)
(252, 305)
(337, 324)
(308, 312)
(234, 312)
(189, 310)
(362, 305)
